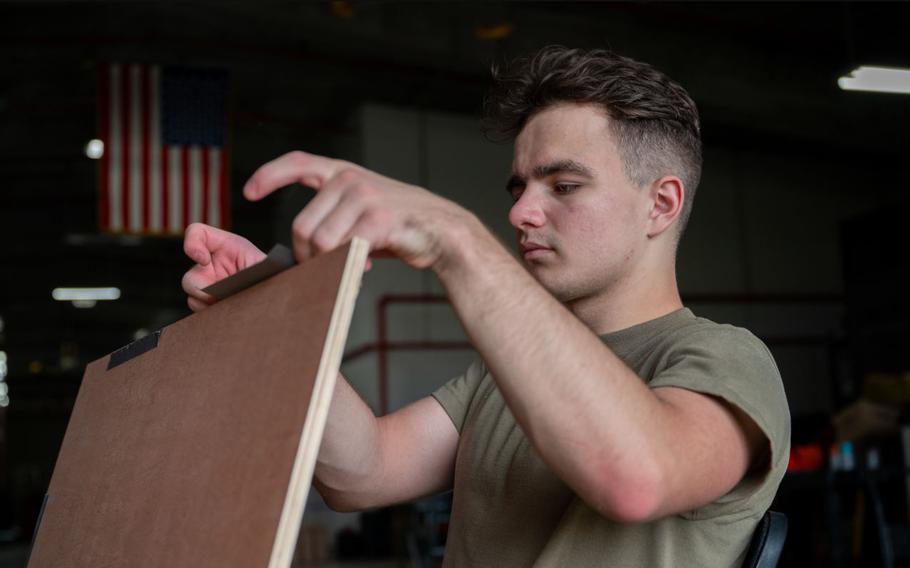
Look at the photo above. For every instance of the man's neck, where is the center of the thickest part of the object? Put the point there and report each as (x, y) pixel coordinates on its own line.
(629, 302)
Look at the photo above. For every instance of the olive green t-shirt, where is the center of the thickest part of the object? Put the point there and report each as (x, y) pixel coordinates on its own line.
(510, 510)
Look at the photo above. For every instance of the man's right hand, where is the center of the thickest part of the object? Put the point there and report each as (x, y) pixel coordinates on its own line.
(217, 254)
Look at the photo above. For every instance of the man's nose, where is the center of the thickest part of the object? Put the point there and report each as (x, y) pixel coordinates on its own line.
(527, 211)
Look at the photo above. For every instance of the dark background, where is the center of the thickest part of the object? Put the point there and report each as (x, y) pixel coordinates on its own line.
(763, 75)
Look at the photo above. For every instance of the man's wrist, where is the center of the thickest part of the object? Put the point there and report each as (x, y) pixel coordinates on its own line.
(461, 243)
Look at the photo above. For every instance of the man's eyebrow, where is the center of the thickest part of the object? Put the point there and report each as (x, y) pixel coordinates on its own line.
(545, 170)
(562, 167)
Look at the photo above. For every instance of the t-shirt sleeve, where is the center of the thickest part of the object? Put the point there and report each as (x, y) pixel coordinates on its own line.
(455, 396)
(734, 365)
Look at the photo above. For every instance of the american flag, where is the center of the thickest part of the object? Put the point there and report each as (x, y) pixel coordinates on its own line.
(165, 160)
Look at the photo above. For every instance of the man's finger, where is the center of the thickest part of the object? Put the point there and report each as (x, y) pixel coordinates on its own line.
(200, 241)
(315, 211)
(408, 245)
(375, 233)
(193, 282)
(336, 227)
(203, 243)
(194, 244)
(196, 304)
(308, 169)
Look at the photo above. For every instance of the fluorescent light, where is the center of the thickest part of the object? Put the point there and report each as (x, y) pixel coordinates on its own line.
(85, 294)
(877, 79)
(94, 149)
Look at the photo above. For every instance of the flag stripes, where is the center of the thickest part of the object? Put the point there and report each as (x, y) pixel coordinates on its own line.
(149, 184)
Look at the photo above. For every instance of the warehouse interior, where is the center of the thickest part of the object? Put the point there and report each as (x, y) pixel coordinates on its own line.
(795, 233)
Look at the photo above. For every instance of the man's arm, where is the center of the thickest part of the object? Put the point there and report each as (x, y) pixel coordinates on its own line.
(363, 461)
(630, 452)
(366, 462)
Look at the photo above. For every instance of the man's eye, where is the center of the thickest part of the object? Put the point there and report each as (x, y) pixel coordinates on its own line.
(516, 192)
(564, 188)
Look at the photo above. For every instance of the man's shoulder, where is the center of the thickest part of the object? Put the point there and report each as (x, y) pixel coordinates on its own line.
(724, 360)
(704, 333)
(717, 356)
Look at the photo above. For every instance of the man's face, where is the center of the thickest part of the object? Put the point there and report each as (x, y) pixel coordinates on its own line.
(581, 222)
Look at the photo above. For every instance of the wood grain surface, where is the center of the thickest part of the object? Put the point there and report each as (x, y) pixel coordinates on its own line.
(193, 453)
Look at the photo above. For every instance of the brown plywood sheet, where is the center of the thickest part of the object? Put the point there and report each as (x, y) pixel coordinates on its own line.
(200, 451)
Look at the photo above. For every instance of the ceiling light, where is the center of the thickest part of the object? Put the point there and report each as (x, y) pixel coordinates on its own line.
(85, 294)
(877, 79)
(94, 149)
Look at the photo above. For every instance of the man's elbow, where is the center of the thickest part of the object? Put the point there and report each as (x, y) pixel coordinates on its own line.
(340, 501)
(341, 505)
(632, 509)
(635, 497)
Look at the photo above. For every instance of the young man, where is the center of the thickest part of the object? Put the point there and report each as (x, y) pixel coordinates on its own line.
(604, 423)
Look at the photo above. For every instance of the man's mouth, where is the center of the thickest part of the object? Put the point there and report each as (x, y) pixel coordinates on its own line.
(532, 251)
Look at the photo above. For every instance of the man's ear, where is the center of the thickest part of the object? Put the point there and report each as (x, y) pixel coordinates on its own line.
(667, 194)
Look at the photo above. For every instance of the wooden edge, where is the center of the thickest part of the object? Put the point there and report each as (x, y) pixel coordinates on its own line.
(314, 425)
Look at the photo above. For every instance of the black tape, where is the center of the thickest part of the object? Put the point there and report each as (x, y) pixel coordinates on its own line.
(280, 258)
(134, 349)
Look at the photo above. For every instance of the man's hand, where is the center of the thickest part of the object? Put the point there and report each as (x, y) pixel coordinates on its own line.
(218, 254)
(396, 218)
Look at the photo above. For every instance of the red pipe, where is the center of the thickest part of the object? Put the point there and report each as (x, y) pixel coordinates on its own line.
(785, 298)
(405, 346)
(382, 346)
(381, 339)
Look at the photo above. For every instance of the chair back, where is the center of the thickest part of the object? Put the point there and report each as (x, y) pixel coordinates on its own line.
(767, 541)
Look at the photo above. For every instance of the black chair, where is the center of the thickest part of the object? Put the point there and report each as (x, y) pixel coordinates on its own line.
(767, 542)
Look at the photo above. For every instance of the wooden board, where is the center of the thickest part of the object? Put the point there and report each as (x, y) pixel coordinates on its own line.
(200, 451)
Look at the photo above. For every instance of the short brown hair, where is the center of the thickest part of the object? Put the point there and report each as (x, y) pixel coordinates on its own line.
(654, 119)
